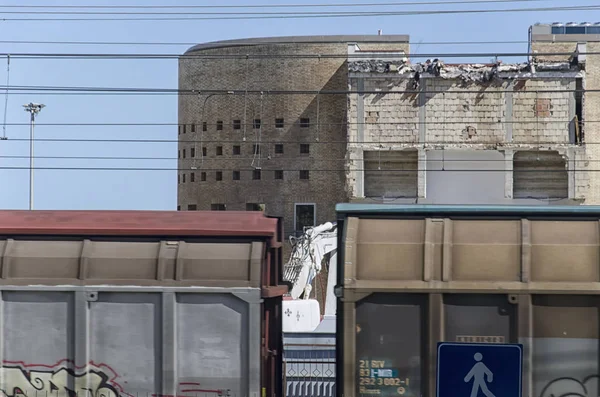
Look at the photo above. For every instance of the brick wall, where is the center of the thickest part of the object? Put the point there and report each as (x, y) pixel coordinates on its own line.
(541, 116)
(451, 115)
(325, 136)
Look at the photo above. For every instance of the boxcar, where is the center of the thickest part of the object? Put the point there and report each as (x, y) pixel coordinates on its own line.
(412, 276)
(140, 303)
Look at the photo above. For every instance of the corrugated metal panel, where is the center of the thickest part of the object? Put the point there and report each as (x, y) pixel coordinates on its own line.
(122, 342)
(470, 211)
(138, 223)
(486, 276)
(540, 174)
(131, 263)
(390, 173)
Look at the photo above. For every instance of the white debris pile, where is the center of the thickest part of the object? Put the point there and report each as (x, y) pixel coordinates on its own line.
(469, 73)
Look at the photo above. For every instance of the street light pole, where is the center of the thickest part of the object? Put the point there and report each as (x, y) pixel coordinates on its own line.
(33, 109)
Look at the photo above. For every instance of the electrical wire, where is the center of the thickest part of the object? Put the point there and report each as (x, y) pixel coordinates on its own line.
(247, 169)
(194, 43)
(322, 5)
(244, 158)
(176, 91)
(319, 16)
(317, 56)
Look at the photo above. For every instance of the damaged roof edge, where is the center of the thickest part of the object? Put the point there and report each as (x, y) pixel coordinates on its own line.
(400, 38)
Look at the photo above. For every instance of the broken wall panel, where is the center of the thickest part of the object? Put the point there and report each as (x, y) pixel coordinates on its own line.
(391, 173)
(391, 116)
(462, 115)
(540, 174)
(542, 110)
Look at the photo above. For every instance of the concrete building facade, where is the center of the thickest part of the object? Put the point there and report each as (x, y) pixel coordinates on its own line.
(255, 131)
(294, 125)
(466, 134)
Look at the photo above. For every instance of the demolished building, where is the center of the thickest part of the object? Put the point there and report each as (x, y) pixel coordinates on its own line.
(442, 133)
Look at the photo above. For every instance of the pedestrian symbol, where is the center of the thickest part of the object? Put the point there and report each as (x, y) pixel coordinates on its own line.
(477, 374)
(479, 370)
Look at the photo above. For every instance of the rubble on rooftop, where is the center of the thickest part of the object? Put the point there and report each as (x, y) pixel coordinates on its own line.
(469, 73)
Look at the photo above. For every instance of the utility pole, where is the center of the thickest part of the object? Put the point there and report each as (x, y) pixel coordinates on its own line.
(33, 109)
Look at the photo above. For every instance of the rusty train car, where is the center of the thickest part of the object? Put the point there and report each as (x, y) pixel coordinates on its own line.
(412, 276)
(140, 303)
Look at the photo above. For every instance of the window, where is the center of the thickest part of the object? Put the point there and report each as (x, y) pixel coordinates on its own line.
(178, 178)
(219, 125)
(219, 150)
(179, 154)
(255, 149)
(279, 148)
(219, 176)
(183, 153)
(182, 178)
(218, 207)
(204, 151)
(236, 175)
(192, 177)
(304, 174)
(278, 174)
(204, 126)
(256, 124)
(304, 122)
(256, 174)
(192, 152)
(193, 127)
(237, 149)
(304, 216)
(304, 148)
(184, 128)
(192, 207)
(203, 176)
(279, 123)
(178, 208)
(179, 130)
(237, 124)
(255, 207)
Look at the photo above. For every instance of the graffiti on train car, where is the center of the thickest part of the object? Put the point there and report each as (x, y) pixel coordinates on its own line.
(571, 387)
(61, 379)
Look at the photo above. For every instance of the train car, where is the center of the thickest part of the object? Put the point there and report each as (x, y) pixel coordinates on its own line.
(140, 303)
(412, 276)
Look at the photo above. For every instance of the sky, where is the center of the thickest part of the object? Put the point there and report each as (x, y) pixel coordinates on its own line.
(137, 189)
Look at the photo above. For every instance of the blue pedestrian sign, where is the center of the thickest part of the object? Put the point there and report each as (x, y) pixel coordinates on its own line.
(479, 370)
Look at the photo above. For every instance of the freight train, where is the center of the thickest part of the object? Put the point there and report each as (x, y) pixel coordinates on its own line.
(188, 304)
(412, 276)
(140, 303)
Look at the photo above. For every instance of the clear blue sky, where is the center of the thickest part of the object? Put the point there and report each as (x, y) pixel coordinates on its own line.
(158, 189)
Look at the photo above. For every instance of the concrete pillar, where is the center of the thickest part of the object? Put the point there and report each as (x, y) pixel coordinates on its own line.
(508, 175)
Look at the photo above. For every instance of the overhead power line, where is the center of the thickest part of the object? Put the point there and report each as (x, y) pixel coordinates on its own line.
(404, 143)
(194, 43)
(242, 93)
(243, 158)
(313, 125)
(248, 168)
(225, 6)
(46, 12)
(318, 56)
(319, 15)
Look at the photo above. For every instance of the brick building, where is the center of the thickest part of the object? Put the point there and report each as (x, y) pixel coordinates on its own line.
(267, 148)
(416, 132)
(473, 134)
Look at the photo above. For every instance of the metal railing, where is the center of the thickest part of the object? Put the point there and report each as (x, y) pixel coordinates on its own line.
(308, 370)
